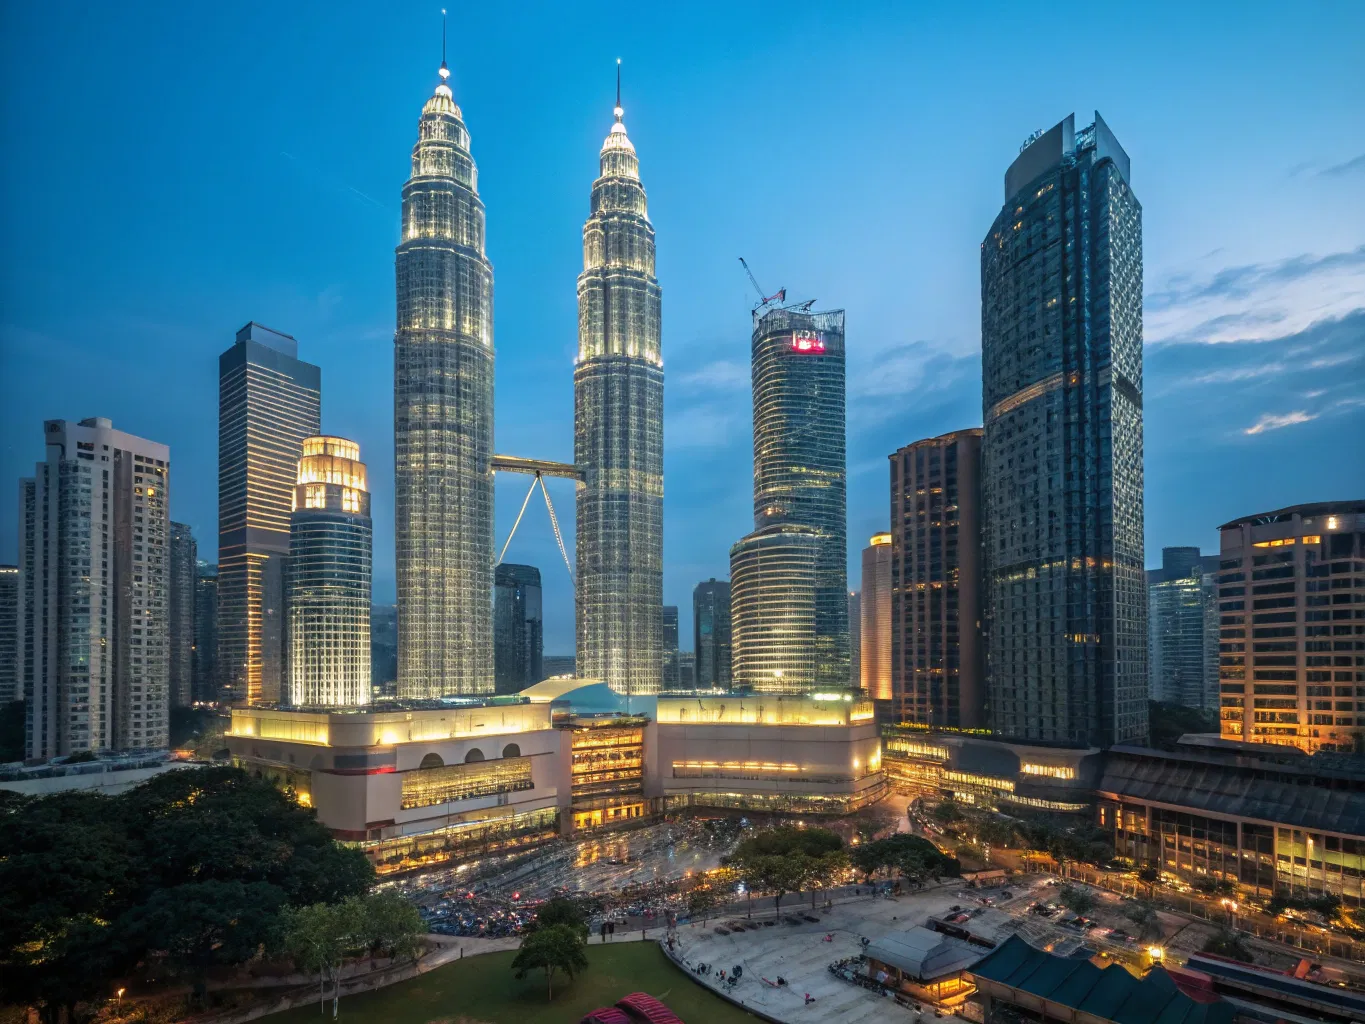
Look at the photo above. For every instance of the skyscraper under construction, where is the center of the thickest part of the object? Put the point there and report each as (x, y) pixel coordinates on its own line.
(800, 498)
(443, 416)
(618, 431)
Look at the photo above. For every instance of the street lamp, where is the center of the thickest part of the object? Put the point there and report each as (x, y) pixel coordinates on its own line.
(119, 993)
(1156, 953)
(1231, 907)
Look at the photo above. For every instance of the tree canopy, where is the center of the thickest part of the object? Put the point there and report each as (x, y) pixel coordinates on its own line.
(550, 948)
(192, 869)
(787, 859)
(913, 856)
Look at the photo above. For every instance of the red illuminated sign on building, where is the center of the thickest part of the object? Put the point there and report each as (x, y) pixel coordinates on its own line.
(807, 341)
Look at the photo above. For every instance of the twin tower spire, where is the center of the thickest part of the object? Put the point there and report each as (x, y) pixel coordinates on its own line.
(443, 422)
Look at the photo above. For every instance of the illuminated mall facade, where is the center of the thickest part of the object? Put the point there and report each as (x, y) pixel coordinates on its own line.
(425, 782)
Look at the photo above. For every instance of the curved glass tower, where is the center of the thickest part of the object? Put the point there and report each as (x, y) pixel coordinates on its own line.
(619, 433)
(772, 607)
(443, 416)
(330, 543)
(799, 460)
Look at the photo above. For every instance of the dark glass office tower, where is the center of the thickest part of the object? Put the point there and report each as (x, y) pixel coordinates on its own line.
(619, 431)
(205, 657)
(1182, 629)
(9, 634)
(671, 678)
(518, 627)
(711, 634)
(268, 402)
(937, 653)
(443, 416)
(184, 559)
(799, 459)
(1061, 460)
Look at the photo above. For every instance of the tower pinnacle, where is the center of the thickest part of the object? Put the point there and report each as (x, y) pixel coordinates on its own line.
(445, 71)
(618, 111)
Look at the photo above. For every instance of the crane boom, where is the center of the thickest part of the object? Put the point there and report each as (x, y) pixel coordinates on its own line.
(778, 296)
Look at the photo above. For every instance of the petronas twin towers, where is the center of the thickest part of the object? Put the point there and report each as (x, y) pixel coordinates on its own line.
(443, 423)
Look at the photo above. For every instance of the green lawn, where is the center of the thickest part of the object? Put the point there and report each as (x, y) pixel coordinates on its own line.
(483, 990)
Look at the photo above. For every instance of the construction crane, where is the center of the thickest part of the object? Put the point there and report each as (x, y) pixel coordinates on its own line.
(764, 300)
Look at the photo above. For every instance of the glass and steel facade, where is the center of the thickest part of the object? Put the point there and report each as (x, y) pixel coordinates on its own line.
(9, 634)
(711, 633)
(800, 475)
(1182, 664)
(937, 655)
(1061, 459)
(773, 581)
(268, 402)
(671, 679)
(1291, 607)
(874, 630)
(205, 654)
(518, 627)
(443, 417)
(331, 539)
(95, 566)
(618, 432)
(183, 574)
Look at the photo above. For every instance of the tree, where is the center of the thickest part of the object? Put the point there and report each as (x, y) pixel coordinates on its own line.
(702, 900)
(1150, 875)
(784, 859)
(1077, 899)
(391, 925)
(206, 924)
(946, 812)
(915, 865)
(1143, 915)
(1229, 943)
(561, 912)
(870, 820)
(556, 947)
(318, 937)
(868, 859)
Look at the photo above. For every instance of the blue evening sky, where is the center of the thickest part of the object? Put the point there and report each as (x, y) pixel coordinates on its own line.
(174, 170)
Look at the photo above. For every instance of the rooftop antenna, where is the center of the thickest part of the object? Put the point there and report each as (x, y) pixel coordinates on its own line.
(618, 111)
(445, 71)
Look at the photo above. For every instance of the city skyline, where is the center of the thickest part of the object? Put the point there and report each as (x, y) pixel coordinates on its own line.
(1252, 413)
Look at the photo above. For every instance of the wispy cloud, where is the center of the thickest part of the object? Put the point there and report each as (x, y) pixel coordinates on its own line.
(1353, 166)
(1275, 421)
(721, 375)
(1258, 301)
(706, 426)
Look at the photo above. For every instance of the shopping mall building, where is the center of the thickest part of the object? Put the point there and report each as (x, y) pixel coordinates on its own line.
(423, 782)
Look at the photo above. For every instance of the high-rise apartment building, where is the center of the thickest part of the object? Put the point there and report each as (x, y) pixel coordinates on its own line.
(875, 626)
(711, 633)
(1061, 458)
(9, 634)
(205, 657)
(183, 560)
(95, 561)
(937, 653)
(443, 416)
(773, 584)
(671, 679)
(268, 402)
(518, 627)
(619, 430)
(799, 459)
(855, 640)
(1291, 605)
(331, 541)
(1182, 663)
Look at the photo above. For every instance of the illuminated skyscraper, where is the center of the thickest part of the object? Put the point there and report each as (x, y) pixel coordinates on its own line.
(773, 581)
(206, 632)
(9, 634)
(618, 431)
(268, 402)
(875, 628)
(94, 557)
(443, 416)
(330, 546)
(1061, 460)
(711, 634)
(799, 461)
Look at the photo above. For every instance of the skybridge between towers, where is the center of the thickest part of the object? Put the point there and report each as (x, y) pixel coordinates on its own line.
(538, 468)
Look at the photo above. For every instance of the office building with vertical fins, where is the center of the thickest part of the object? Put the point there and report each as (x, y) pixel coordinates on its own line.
(618, 431)
(269, 400)
(800, 478)
(184, 559)
(875, 627)
(330, 557)
(1061, 457)
(443, 416)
